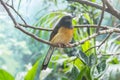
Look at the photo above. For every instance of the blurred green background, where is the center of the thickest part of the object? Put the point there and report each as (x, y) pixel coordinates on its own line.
(19, 52)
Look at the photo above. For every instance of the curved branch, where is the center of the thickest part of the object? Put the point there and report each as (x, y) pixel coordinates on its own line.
(112, 10)
(110, 30)
(16, 13)
(73, 44)
(77, 26)
(95, 35)
(102, 15)
(33, 27)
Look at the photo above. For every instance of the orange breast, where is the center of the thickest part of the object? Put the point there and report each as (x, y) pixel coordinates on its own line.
(63, 36)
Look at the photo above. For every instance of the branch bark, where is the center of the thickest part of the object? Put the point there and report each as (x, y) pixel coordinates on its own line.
(102, 15)
(110, 10)
(18, 26)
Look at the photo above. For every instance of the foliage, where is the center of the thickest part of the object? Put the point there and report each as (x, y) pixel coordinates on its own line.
(5, 75)
(66, 64)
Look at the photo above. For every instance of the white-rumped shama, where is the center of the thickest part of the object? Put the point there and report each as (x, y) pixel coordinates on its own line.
(61, 35)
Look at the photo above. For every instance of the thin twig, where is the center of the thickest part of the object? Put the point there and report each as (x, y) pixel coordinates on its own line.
(37, 28)
(9, 13)
(98, 46)
(78, 26)
(91, 26)
(16, 13)
(102, 15)
(112, 9)
(104, 40)
(117, 30)
(112, 54)
(33, 36)
(12, 3)
(90, 48)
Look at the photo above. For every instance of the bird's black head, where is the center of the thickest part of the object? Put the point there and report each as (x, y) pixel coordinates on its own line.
(66, 21)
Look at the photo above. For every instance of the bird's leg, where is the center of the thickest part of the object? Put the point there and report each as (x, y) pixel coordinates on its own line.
(60, 45)
(64, 45)
(68, 45)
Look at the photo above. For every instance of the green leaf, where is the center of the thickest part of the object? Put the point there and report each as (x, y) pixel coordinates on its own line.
(92, 60)
(72, 73)
(88, 75)
(4, 75)
(86, 15)
(83, 57)
(80, 75)
(86, 46)
(93, 0)
(79, 64)
(74, 22)
(114, 60)
(31, 74)
(117, 42)
(101, 66)
(34, 73)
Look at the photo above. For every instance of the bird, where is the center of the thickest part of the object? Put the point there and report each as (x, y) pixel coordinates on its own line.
(61, 35)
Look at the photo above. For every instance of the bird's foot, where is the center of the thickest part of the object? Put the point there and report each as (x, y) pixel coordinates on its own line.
(68, 45)
(61, 45)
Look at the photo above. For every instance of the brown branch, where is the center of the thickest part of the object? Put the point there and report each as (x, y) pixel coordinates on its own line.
(117, 30)
(73, 44)
(90, 48)
(49, 29)
(102, 15)
(9, 13)
(36, 28)
(33, 36)
(91, 26)
(112, 11)
(104, 40)
(98, 46)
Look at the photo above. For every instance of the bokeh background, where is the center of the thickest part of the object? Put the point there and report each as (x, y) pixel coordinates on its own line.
(19, 52)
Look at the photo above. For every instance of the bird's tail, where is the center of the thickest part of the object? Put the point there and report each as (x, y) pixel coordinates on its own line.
(47, 58)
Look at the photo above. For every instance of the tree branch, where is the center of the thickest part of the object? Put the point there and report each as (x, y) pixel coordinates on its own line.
(37, 28)
(16, 13)
(102, 15)
(77, 26)
(112, 10)
(111, 54)
(18, 26)
(104, 40)
(117, 30)
(9, 13)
